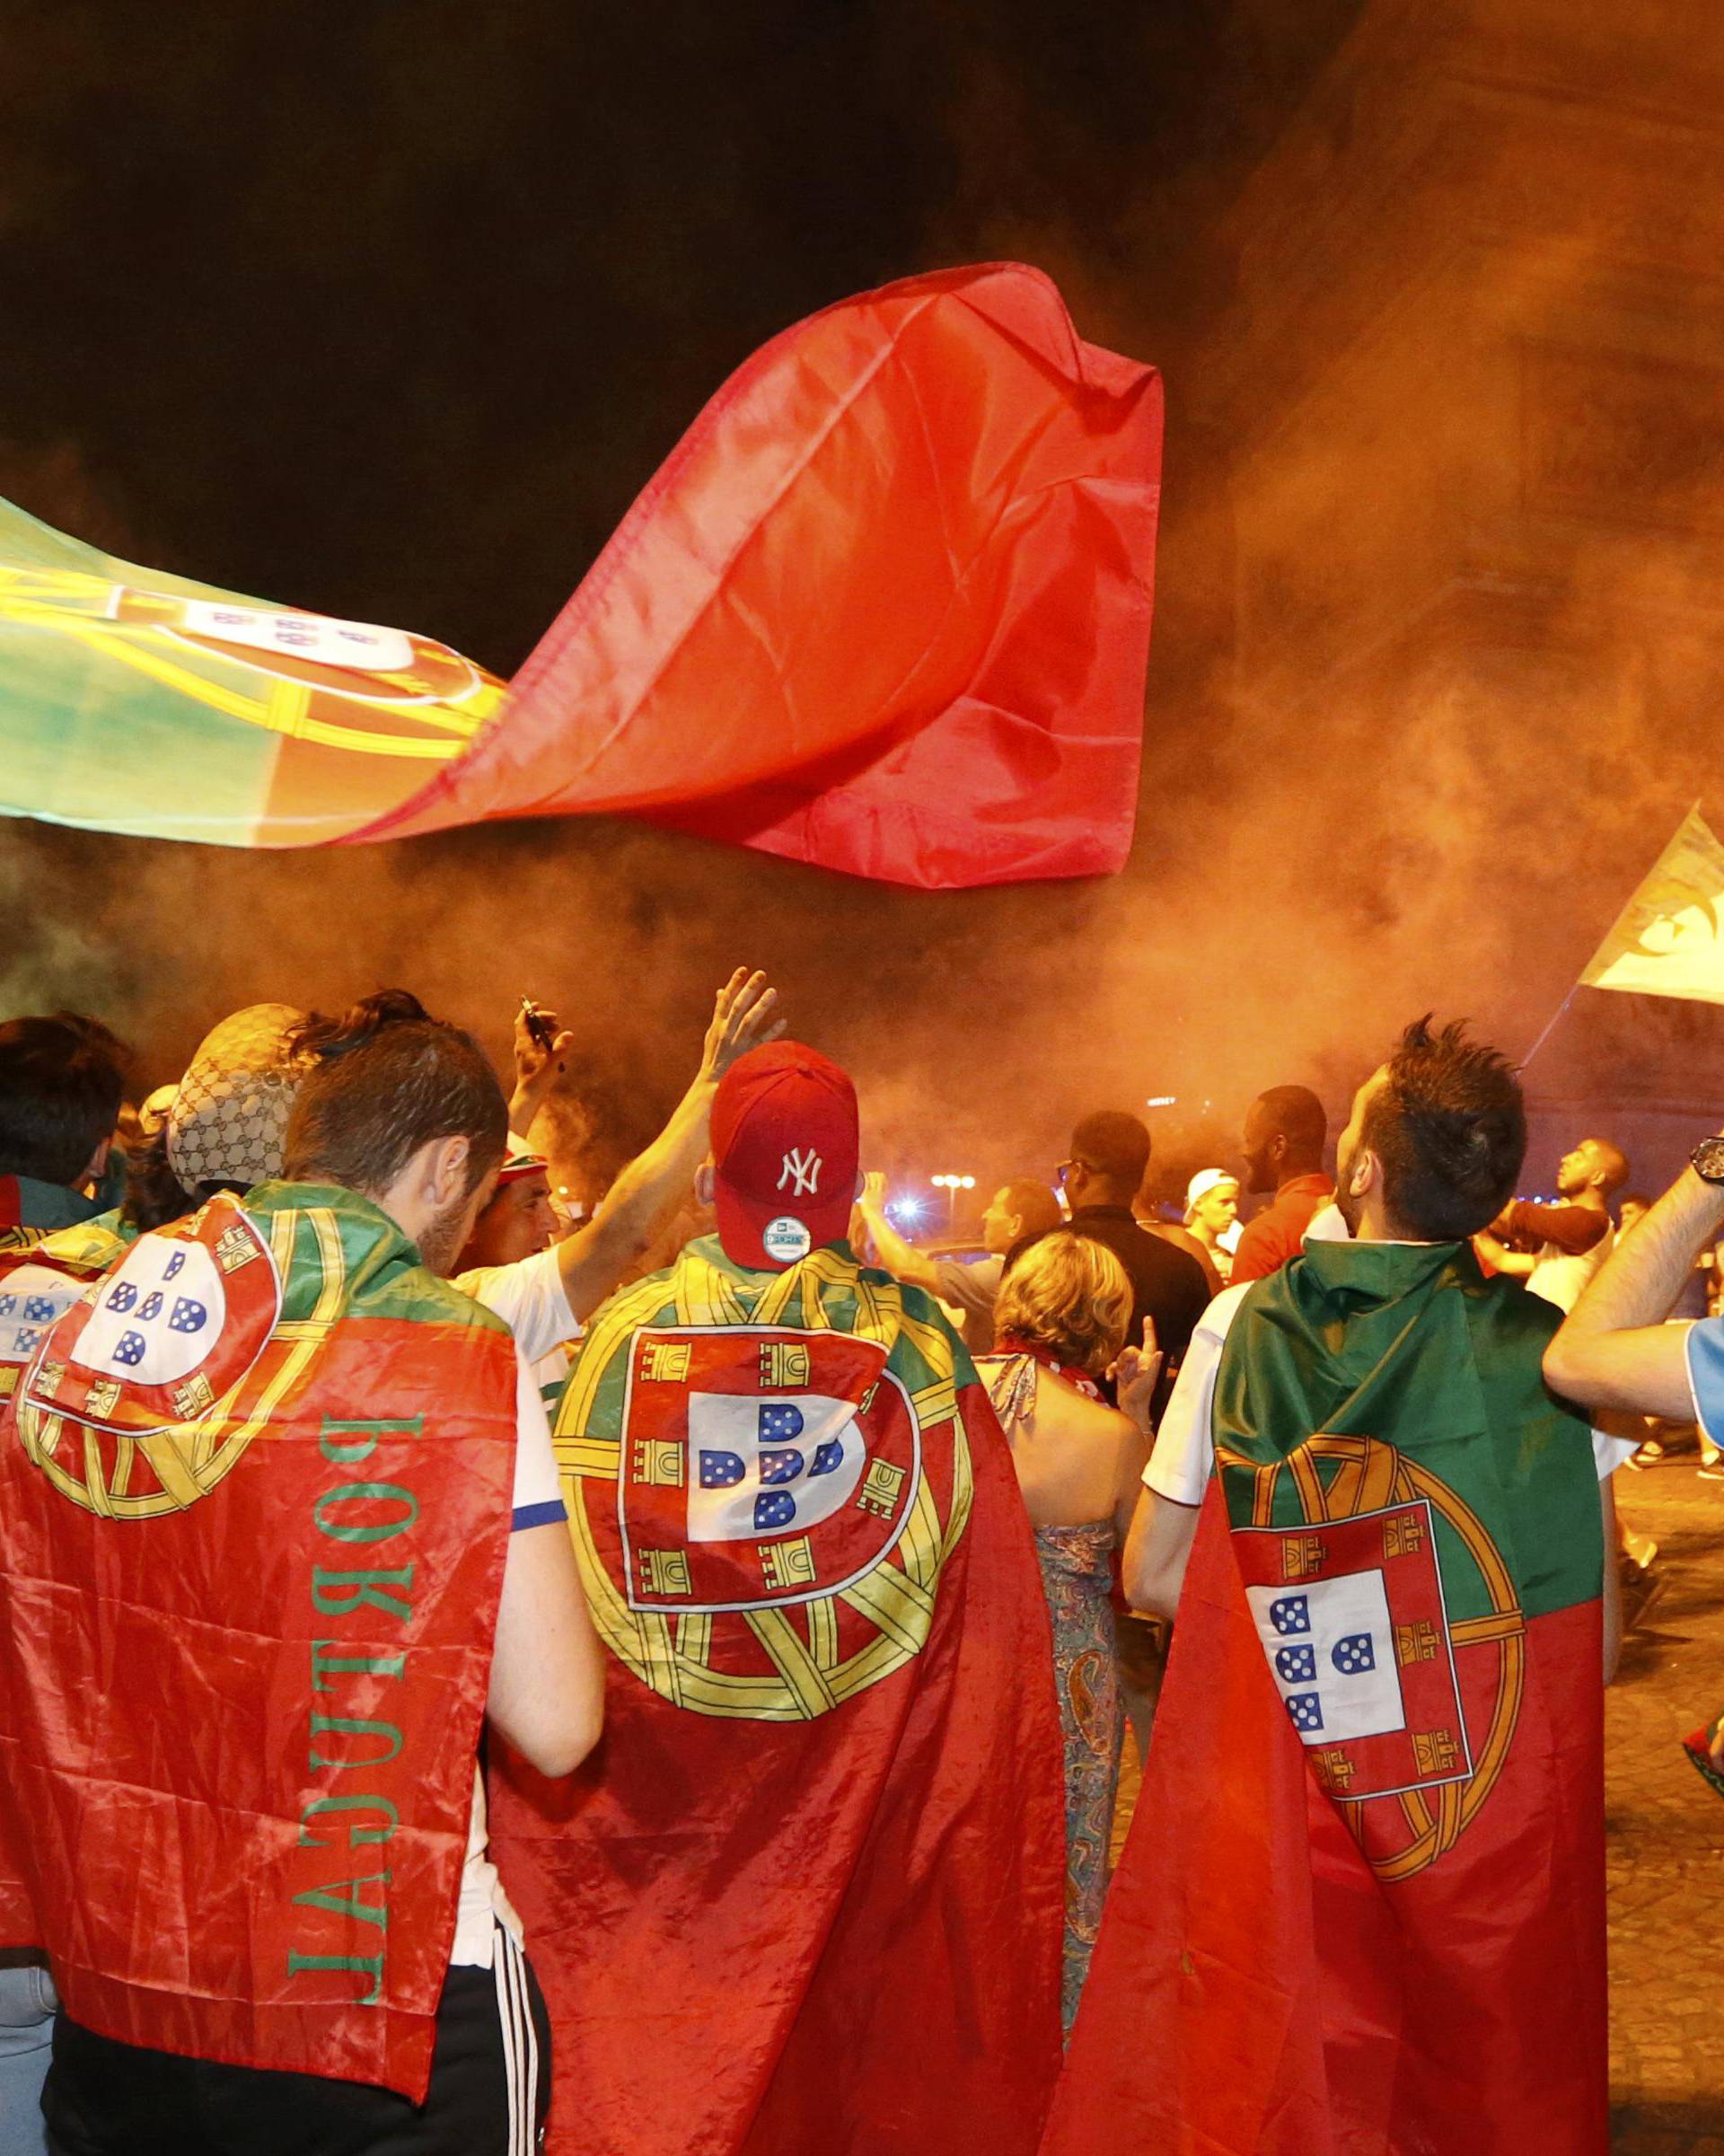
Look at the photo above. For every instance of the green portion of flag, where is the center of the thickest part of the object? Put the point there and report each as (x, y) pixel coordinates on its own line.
(1410, 1346)
(137, 701)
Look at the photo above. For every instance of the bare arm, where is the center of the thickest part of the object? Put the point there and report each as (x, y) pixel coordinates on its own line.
(1134, 1458)
(1516, 1263)
(1157, 1552)
(903, 1260)
(537, 1068)
(1614, 1350)
(596, 1257)
(547, 1692)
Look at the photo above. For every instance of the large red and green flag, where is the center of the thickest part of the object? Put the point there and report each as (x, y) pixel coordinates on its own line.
(254, 1492)
(809, 1894)
(885, 607)
(1361, 1912)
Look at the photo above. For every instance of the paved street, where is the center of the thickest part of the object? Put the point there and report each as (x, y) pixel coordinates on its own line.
(1666, 1831)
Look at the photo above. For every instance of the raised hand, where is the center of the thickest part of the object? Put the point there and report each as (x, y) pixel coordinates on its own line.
(742, 1017)
(1135, 1375)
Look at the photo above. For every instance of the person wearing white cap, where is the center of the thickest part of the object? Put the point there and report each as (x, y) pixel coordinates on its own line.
(1212, 1215)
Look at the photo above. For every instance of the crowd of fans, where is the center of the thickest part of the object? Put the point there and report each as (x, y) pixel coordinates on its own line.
(1111, 1356)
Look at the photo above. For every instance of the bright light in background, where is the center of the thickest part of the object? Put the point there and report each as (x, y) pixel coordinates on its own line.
(1164, 1100)
(906, 1209)
(953, 1183)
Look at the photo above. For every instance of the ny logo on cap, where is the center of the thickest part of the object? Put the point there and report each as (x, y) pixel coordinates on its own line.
(805, 1167)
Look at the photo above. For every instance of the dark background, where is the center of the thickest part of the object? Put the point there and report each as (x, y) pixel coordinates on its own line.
(389, 312)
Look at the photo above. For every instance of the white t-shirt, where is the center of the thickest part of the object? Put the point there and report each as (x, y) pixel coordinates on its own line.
(1559, 1275)
(531, 1299)
(538, 1500)
(1185, 1451)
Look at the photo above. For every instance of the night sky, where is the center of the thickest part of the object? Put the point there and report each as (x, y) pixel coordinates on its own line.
(389, 312)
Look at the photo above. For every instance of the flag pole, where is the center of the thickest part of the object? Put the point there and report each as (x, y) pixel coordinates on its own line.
(1549, 1027)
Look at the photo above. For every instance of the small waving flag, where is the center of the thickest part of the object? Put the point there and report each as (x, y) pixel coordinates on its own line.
(885, 607)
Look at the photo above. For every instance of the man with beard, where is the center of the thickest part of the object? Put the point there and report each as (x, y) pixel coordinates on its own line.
(1285, 1133)
(1556, 1249)
(1385, 1700)
(279, 1532)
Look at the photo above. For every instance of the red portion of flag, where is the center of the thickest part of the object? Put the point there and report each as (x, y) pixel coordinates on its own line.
(885, 607)
(1259, 1991)
(248, 1653)
(768, 1937)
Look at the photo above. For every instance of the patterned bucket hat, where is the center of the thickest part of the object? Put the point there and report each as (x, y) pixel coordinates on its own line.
(229, 1118)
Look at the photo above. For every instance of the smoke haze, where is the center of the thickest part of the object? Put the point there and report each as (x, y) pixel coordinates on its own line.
(1436, 652)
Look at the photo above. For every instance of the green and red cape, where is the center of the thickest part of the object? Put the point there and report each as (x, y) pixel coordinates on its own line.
(1361, 1909)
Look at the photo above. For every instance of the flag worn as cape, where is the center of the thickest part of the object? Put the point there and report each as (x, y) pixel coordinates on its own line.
(809, 1893)
(254, 1500)
(884, 608)
(1668, 940)
(1360, 1912)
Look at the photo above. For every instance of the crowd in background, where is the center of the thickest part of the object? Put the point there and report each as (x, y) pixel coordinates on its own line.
(1098, 1328)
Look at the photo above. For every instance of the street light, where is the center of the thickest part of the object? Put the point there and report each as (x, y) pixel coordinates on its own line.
(951, 1185)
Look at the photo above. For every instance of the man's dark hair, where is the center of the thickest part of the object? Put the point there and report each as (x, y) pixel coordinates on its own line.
(379, 1090)
(328, 1038)
(153, 1194)
(1114, 1147)
(1033, 1204)
(61, 1082)
(1296, 1112)
(1449, 1126)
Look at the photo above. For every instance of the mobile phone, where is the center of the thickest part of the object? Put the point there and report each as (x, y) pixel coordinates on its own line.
(538, 1024)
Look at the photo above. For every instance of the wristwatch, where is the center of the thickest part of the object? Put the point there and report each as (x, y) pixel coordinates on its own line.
(1707, 1160)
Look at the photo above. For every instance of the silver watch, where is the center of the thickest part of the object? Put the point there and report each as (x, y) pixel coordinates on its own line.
(1707, 1160)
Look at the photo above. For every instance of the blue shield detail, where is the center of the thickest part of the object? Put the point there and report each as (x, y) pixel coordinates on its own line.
(188, 1316)
(1354, 1655)
(173, 1264)
(8, 1304)
(720, 1469)
(23, 1341)
(1297, 1665)
(829, 1455)
(780, 1422)
(122, 1297)
(151, 1307)
(773, 1508)
(1291, 1613)
(1305, 1709)
(782, 1465)
(40, 1309)
(130, 1350)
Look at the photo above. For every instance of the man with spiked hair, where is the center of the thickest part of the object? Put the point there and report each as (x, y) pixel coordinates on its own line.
(1362, 1901)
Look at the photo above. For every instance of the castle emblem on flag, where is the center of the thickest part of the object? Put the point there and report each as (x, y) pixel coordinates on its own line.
(1365, 1652)
(1334, 1645)
(770, 1531)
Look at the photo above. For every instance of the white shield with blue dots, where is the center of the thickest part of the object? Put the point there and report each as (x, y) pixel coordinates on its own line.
(773, 1466)
(158, 1315)
(31, 1298)
(1331, 1650)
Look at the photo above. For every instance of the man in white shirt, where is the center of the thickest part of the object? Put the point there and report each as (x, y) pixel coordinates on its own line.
(1165, 1527)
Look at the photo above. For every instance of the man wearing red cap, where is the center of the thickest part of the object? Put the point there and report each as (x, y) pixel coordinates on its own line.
(811, 1898)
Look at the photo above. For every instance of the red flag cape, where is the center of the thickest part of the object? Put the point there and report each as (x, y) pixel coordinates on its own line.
(1360, 1910)
(885, 607)
(247, 1592)
(809, 1894)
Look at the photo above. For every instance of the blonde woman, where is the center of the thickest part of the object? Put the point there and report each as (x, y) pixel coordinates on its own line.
(1060, 1323)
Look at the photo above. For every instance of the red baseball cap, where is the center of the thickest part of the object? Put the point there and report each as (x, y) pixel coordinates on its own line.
(785, 1148)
